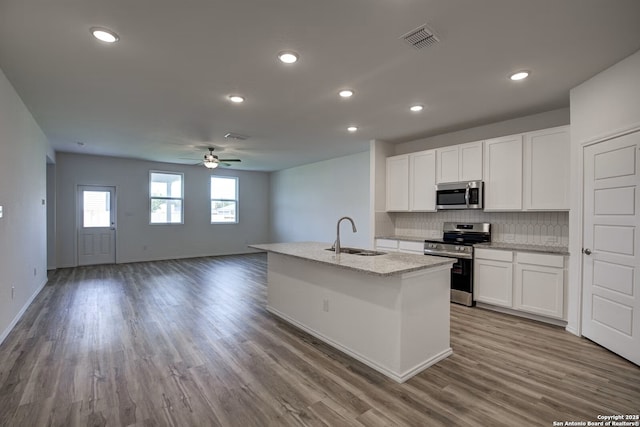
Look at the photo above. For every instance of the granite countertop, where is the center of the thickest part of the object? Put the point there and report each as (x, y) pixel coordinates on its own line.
(556, 250)
(382, 265)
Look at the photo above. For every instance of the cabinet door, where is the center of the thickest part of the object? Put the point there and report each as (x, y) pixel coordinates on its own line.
(470, 161)
(546, 169)
(540, 290)
(493, 282)
(447, 159)
(422, 181)
(503, 174)
(398, 183)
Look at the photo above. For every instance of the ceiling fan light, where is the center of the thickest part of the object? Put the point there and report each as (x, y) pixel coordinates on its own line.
(210, 164)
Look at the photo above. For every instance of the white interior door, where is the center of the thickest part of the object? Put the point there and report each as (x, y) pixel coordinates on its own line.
(611, 290)
(96, 225)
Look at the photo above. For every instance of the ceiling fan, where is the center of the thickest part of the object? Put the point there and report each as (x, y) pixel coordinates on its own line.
(212, 161)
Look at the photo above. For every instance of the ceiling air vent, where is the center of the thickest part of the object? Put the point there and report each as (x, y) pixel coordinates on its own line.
(236, 136)
(421, 37)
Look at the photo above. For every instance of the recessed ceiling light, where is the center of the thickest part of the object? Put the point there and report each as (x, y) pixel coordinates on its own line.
(346, 93)
(352, 128)
(416, 108)
(288, 57)
(519, 75)
(236, 98)
(104, 35)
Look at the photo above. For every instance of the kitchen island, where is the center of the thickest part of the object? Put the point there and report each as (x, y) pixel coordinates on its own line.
(391, 311)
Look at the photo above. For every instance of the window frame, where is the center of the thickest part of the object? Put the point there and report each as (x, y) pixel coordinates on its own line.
(236, 200)
(152, 198)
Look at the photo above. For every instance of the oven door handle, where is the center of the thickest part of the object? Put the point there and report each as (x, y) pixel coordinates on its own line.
(466, 194)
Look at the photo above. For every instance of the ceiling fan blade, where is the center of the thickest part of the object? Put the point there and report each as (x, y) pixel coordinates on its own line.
(230, 160)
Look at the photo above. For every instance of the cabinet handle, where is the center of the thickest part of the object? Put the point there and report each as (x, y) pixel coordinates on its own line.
(586, 251)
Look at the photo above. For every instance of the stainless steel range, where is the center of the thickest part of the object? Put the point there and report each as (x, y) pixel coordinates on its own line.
(457, 242)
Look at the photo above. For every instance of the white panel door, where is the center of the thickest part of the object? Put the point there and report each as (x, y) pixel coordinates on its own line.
(611, 288)
(96, 225)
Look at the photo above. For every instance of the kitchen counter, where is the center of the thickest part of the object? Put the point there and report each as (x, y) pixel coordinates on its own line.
(391, 312)
(391, 263)
(556, 250)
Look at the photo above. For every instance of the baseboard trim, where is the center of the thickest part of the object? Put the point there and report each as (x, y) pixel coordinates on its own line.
(399, 377)
(16, 319)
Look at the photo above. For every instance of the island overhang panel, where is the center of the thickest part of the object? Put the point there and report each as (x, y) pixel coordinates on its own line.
(396, 323)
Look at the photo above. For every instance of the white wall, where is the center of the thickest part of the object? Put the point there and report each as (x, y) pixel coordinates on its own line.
(307, 201)
(544, 120)
(136, 239)
(23, 227)
(602, 107)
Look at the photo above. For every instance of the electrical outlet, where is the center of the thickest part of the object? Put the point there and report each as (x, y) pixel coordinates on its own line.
(13, 292)
(509, 237)
(552, 239)
(35, 271)
(325, 305)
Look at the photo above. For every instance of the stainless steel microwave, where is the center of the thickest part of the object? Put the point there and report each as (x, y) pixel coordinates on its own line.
(460, 195)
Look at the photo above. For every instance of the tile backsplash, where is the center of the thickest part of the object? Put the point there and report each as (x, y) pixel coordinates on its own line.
(532, 228)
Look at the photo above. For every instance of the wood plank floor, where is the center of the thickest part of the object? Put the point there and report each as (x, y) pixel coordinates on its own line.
(189, 343)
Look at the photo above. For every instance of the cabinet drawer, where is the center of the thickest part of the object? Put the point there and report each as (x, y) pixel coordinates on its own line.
(493, 254)
(407, 246)
(389, 244)
(546, 260)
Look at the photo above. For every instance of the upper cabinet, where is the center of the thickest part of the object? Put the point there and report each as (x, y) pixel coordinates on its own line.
(422, 181)
(528, 171)
(546, 169)
(411, 182)
(503, 174)
(398, 183)
(461, 162)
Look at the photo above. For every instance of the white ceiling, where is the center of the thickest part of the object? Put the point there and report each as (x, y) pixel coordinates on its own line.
(160, 92)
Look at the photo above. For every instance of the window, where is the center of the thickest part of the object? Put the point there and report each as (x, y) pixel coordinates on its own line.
(165, 194)
(96, 209)
(224, 199)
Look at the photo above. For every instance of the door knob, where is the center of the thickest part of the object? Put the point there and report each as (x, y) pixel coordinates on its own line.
(586, 251)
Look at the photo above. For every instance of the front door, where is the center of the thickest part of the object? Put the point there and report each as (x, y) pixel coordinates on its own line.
(611, 286)
(96, 225)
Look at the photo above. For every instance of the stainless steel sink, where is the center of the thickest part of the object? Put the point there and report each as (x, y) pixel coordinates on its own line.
(355, 251)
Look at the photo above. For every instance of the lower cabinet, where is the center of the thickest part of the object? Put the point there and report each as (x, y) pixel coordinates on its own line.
(523, 281)
(539, 284)
(493, 277)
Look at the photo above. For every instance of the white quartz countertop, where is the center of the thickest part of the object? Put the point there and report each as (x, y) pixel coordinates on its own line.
(382, 265)
(556, 250)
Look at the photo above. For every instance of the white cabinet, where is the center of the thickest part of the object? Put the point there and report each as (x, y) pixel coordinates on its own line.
(411, 247)
(546, 169)
(398, 183)
(493, 277)
(503, 174)
(447, 170)
(522, 281)
(411, 182)
(470, 161)
(539, 284)
(461, 162)
(387, 245)
(422, 181)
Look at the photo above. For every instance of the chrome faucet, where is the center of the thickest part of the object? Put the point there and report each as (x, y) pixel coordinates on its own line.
(336, 245)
